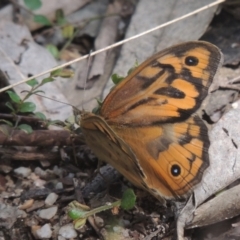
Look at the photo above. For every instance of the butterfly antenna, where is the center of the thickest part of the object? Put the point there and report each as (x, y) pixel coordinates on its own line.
(87, 75)
(76, 111)
(57, 101)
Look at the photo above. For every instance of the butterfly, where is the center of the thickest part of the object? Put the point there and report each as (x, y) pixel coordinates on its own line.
(148, 128)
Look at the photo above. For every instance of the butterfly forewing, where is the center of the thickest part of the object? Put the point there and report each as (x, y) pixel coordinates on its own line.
(168, 87)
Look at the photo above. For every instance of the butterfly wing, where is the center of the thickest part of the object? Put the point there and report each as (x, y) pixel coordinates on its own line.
(173, 156)
(168, 87)
(152, 110)
(147, 128)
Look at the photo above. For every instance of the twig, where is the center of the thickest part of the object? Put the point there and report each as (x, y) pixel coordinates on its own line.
(41, 138)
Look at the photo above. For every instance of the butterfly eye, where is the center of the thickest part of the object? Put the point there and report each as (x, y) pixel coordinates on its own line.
(191, 61)
(175, 170)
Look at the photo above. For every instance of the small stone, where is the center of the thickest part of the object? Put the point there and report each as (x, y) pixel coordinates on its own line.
(8, 215)
(48, 213)
(44, 232)
(22, 171)
(21, 213)
(18, 192)
(99, 221)
(45, 163)
(71, 175)
(36, 205)
(39, 183)
(61, 238)
(27, 204)
(34, 229)
(59, 185)
(39, 172)
(58, 171)
(44, 174)
(5, 168)
(68, 231)
(51, 199)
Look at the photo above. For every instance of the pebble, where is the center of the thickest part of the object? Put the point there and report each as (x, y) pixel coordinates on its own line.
(58, 171)
(48, 213)
(68, 231)
(61, 238)
(21, 213)
(99, 221)
(5, 168)
(59, 185)
(44, 174)
(45, 163)
(27, 204)
(39, 172)
(8, 216)
(39, 183)
(51, 199)
(44, 232)
(22, 171)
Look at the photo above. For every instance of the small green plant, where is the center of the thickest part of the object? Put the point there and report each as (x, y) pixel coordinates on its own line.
(33, 4)
(67, 29)
(116, 79)
(23, 106)
(79, 212)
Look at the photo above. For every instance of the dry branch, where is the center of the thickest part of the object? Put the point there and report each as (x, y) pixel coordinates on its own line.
(43, 138)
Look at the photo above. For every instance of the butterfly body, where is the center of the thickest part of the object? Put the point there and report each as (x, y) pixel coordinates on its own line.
(148, 128)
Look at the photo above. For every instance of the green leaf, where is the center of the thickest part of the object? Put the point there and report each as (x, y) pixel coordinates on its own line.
(32, 82)
(78, 224)
(9, 105)
(47, 80)
(53, 50)
(76, 213)
(133, 68)
(68, 31)
(77, 210)
(33, 4)
(14, 97)
(66, 73)
(26, 128)
(40, 115)
(116, 78)
(128, 200)
(42, 20)
(96, 110)
(60, 18)
(100, 103)
(4, 128)
(27, 107)
(56, 73)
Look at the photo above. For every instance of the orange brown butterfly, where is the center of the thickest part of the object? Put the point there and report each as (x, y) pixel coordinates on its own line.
(148, 128)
